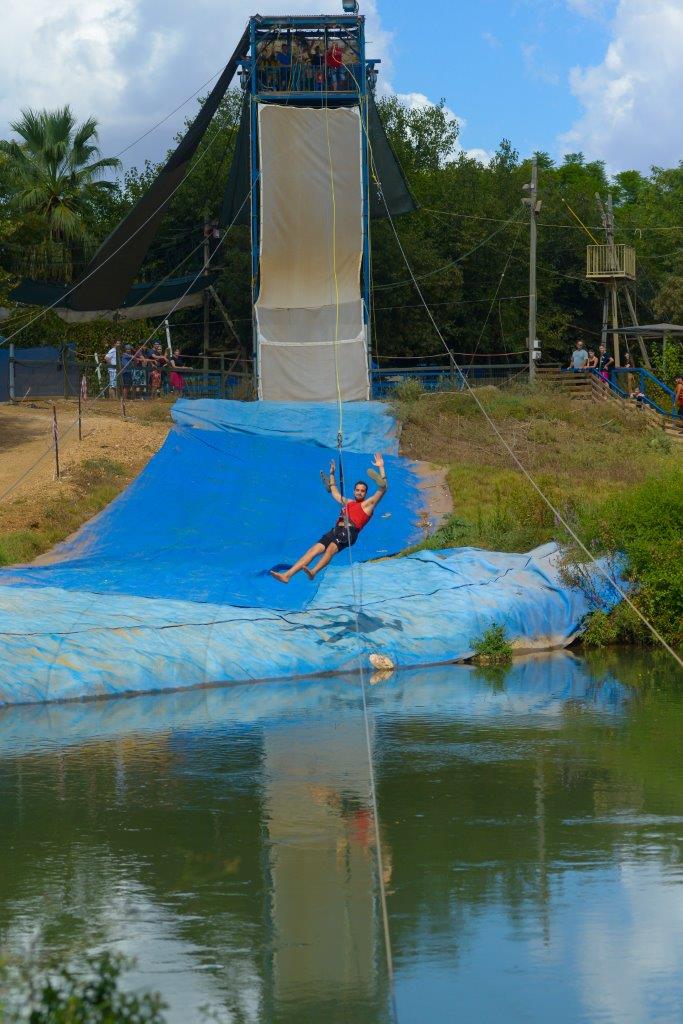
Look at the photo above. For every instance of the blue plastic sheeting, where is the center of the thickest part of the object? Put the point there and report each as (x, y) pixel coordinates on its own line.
(216, 508)
(367, 427)
(541, 688)
(420, 609)
(169, 587)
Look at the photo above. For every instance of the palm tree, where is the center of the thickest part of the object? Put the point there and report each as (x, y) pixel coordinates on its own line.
(56, 171)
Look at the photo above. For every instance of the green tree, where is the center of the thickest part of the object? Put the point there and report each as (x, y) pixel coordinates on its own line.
(57, 171)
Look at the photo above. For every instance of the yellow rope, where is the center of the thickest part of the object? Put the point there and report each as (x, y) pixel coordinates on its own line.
(340, 404)
(577, 218)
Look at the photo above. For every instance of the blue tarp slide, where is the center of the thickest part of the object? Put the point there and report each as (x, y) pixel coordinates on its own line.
(169, 587)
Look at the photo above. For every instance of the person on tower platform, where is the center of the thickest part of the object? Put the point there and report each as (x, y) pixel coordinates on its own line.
(354, 515)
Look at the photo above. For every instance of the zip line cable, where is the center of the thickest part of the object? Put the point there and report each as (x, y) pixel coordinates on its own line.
(169, 115)
(451, 263)
(495, 295)
(513, 455)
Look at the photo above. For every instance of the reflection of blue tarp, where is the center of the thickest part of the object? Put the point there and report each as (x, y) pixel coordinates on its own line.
(540, 688)
(169, 586)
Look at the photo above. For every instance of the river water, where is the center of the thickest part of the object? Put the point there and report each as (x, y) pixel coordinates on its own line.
(531, 826)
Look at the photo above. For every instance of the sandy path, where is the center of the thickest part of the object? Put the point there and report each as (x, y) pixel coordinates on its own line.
(26, 435)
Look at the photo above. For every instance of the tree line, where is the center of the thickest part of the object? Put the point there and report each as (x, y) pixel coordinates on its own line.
(467, 243)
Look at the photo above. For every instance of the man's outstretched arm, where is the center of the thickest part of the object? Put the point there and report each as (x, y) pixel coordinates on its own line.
(380, 477)
(334, 490)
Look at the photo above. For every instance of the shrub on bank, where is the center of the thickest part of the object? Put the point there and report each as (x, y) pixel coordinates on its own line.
(645, 524)
(492, 647)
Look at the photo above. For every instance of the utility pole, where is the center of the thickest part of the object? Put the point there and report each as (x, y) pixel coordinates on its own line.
(534, 203)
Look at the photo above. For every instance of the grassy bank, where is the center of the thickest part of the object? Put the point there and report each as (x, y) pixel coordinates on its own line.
(617, 481)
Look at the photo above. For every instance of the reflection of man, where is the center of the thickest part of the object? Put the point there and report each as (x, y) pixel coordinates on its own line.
(353, 517)
(359, 825)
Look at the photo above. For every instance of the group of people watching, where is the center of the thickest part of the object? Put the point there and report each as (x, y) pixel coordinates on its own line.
(146, 372)
(587, 359)
(306, 65)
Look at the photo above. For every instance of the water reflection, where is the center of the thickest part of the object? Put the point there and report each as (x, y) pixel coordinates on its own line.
(531, 826)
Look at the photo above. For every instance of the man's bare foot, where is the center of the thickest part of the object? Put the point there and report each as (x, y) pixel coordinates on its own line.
(309, 573)
(279, 576)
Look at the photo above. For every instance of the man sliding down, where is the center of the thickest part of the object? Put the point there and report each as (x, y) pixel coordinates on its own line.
(353, 517)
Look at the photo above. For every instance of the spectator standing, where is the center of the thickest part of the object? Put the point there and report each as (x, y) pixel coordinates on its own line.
(158, 361)
(139, 373)
(592, 360)
(334, 58)
(110, 360)
(631, 380)
(284, 63)
(317, 64)
(579, 358)
(605, 362)
(176, 380)
(127, 370)
(678, 396)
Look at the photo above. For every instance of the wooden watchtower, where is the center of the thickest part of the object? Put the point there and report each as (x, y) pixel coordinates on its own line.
(615, 266)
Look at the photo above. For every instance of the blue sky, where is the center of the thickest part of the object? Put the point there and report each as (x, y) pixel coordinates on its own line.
(504, 67)
(601, 76)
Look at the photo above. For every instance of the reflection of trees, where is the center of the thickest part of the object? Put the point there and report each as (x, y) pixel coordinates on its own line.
(479, 815)
(92, 834)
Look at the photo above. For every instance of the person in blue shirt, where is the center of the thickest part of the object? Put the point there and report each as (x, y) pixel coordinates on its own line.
(579, 358)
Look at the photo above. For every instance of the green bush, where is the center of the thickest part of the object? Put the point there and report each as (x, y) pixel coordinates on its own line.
(408, 389)
(645, 524)
(493, 647)
(90, 995)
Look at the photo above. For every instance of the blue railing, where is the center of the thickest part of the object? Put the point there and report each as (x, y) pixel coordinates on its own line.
(442, 378)
(307, 76)
(641, 386)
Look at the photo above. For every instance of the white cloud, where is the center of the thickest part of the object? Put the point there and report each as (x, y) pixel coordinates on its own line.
(418, 100)
(492, 40)
(536, 69)
(597, 9)
(128, 62)
(631, 100)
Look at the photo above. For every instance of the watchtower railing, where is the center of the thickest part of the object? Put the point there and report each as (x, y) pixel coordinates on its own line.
(307, 77)
(606, 261)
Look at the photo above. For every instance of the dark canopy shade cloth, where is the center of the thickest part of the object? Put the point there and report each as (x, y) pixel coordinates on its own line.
(142, 300)
(650, 330)
(396, 194)
(107, 279)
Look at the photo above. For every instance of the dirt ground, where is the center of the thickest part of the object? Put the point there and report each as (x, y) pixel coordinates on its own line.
(27, 463)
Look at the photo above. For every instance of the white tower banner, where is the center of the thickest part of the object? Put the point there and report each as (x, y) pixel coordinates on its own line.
(311, 338)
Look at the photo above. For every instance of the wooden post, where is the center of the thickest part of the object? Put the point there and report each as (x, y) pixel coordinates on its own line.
(80, 424)
(55, 439)
(119, 372)
(65, 370)
(11, 388)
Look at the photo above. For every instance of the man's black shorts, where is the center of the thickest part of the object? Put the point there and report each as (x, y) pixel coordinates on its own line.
(341, 536)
